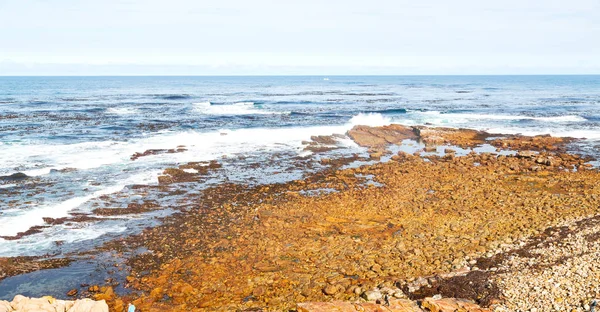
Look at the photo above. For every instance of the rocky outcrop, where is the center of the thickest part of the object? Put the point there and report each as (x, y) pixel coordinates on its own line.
(459, 137)
(19, 176)
(379, 137)
(394, 305)
(50, 304)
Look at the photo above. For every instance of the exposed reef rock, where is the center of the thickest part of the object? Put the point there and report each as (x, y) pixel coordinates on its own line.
(380, 137)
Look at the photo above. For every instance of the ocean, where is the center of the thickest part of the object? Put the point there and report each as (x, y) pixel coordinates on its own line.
(74, 137)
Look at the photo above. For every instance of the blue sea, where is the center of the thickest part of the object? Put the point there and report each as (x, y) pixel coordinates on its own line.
(74, 136)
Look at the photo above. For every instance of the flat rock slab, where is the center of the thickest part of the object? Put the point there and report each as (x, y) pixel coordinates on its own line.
(396, 305)
(451, 305)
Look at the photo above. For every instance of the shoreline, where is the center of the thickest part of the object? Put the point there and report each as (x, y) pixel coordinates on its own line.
(272, 246)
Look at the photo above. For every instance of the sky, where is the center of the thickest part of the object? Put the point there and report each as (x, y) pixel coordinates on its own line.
(314, 37)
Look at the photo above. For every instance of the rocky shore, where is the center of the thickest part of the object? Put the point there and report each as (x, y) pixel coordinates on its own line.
(512, 228)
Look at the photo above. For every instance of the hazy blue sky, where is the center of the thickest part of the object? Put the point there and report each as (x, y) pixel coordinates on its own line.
(299, 37)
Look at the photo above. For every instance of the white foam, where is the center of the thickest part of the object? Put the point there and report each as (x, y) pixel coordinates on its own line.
(22, 220)
(370, 119)
(566, 118)
(40, 159)
(13, 224)
(240, 108)
(121, 110)
(40, 244)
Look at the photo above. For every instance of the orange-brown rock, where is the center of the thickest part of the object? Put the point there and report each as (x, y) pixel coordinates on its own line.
(451, 305)
(394, 305)
(379, 137)
(459, 137)
(537, 143)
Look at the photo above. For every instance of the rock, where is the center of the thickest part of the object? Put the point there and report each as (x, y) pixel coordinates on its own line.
(72, 292)
(5, 306)
(526, 154)
(379, 137)
(19, 176)
(46, 304)
(88, 305)
(451, 305)
(430, 149)
(324, 139)
(372, 295)
(325, 306)
(395, 305)
(259, 291)
(330, 289)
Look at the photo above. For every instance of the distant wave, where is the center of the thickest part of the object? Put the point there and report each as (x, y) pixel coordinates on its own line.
(239, 108)
(75, 99)
(172, 96)
(566, 118)
(121, 111)
(7, 101)
(390, 111)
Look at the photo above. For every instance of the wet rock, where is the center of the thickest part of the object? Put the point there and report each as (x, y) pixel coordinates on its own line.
(72, 292)
(19, 176)
(149, 152)
(324, 139)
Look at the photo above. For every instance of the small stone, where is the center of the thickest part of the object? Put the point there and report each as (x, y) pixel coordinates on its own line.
(330, 289)
(72, 292)
(258, 291)
(372, 295)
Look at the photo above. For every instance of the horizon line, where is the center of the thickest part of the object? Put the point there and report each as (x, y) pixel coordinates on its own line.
(295, 75)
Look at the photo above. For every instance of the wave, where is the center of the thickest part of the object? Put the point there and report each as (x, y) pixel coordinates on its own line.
(76, 99)
(239, 108)
(390, 111)
(8, 101)
(121, 111)
(466, 116)
(172, 96)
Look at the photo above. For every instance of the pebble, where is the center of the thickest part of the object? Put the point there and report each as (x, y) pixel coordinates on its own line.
(372, 295)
